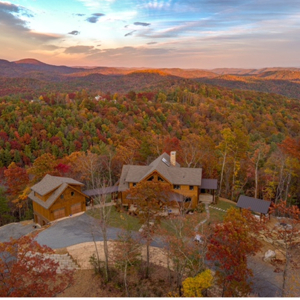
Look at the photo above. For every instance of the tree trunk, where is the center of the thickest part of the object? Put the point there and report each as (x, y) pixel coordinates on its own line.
(148, 258)
(222, 172)
(256, 177)
(125, 280)
(233, 180)
(105, 247)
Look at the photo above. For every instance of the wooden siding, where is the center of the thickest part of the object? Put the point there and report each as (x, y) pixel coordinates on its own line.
(69, 197)
(183, 190)
(193, 194)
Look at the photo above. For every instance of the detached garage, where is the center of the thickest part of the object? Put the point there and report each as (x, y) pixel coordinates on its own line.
(55, 198)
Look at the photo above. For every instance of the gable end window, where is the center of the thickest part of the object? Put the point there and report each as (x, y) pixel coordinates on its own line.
(160, 179)
(176, 187)
(61, 196)
(150, 178)
(72, 193)
(191, 187)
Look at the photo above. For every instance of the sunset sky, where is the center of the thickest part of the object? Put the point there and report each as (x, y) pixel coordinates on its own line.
(152, 33)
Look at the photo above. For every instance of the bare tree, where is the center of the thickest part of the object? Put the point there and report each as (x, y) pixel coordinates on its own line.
(127, 252)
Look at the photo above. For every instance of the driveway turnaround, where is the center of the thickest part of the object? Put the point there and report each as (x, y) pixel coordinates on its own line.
(74, 231)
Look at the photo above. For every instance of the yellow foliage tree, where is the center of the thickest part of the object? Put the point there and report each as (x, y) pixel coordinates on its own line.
(193, 286)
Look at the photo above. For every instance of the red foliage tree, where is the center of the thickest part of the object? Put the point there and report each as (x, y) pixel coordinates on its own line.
(229, 246)
(16, 179)
(26, 272)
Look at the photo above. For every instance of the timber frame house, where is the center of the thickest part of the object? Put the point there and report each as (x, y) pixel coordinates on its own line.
(55, 198)
(186, 183)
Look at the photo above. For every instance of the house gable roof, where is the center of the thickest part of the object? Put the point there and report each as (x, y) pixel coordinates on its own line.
(257, 205)
(173, 174)
(50, 183)
(57, 185)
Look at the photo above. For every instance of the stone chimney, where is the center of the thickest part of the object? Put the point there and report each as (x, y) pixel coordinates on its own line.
(173, 158)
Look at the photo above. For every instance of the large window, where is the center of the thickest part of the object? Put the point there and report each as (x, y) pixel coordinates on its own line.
(160, 179)
(176, 187)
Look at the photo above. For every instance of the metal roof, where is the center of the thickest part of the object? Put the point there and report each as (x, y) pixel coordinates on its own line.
(101, 191)
(209, 184)
(257, 205)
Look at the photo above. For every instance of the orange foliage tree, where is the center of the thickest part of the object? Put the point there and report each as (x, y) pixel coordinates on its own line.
(149, 198)
(43, 165)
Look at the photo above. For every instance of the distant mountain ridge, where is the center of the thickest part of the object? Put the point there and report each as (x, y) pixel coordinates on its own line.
(284, 81)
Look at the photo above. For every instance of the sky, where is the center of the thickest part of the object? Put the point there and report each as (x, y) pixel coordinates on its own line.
(202, 34)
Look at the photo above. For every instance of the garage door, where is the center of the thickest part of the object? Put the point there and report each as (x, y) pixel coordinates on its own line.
(59, 213)
(75, 208)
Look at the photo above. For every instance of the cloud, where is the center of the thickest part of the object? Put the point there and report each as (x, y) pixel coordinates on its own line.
(95, 17)
(74, 32)
(141, 24)
(78, 49)
(130, 33)
(151, 43)
(15, 28)
(79, 15)
(50, 47)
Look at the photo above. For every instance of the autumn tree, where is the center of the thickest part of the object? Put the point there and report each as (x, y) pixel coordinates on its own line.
(127, 253)
(258, 152)
(287, 233)
(224, 149)
(193, 149)
(186, 257)
(43, 165)
(231, 243)
(5, 216)
(149, 197)
(16, 180)
(26, 272)
(195, 286)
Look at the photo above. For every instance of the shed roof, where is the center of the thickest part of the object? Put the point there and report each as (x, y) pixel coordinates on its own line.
(209, 184)
(257, 205)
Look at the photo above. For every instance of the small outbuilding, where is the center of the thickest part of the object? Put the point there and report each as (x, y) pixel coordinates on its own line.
(55, 198)
(255, 205)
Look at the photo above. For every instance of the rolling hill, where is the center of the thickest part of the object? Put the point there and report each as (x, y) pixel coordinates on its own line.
(30, 77)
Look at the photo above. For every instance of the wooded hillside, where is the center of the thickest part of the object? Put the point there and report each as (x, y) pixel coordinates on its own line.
(248, 140)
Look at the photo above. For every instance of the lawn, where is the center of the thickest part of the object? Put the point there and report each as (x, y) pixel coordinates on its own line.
(126, 221)
(218, 215)
(117, 219)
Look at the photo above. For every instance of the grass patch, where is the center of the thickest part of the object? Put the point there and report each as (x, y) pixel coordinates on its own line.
(218, 215)
(118, 219)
